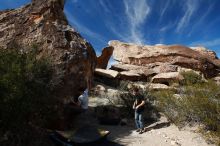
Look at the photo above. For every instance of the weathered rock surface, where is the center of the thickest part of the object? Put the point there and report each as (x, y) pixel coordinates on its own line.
(102, 61)
(129, 75)
(200, 59)
(106, 72)
(143, 72)
(217, 80)
(157, 86)
(167, 78)
(205, 51)
(43, 24)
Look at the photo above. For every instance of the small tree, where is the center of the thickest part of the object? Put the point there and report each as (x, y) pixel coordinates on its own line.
(25, 96)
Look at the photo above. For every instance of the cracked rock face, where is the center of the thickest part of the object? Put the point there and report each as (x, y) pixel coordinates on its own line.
(43, 23)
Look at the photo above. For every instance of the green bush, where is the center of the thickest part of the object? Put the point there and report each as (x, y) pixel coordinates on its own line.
(192, 103)
(25, 96)
(190, 77)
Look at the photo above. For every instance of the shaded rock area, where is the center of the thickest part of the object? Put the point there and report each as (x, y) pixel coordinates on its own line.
(43, 24)
(167, 78)
(102, 61)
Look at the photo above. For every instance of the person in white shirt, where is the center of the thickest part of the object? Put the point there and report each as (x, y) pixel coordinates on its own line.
(83, 100)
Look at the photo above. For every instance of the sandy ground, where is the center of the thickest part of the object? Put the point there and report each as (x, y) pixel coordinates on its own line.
(160, 133)
(164, 136)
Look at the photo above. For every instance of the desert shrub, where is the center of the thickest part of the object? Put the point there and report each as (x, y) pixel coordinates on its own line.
(25, 96)
(192, 103)
(190, 77)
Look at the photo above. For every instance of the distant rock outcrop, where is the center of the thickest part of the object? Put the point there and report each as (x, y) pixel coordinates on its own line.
(161, 65)
(43, 24)
(164, 58)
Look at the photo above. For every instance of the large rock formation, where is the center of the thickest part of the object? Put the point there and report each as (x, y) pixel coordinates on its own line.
(43, 24)
(163, 58)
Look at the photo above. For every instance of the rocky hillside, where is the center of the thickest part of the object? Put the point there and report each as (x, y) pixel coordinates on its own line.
(42, 23)
(160, 63)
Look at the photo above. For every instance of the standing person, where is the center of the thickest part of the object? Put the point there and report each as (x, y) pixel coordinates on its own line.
(138, 106)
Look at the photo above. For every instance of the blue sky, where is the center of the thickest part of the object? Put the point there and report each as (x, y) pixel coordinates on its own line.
(186, 22)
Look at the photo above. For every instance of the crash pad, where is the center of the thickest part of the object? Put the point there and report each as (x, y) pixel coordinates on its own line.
(82, 135)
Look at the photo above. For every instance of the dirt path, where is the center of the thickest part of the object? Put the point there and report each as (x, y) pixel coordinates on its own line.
(161, 133)
(157, 134)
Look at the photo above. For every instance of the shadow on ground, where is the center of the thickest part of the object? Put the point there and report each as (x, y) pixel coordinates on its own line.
(157, 126)
(119, 135)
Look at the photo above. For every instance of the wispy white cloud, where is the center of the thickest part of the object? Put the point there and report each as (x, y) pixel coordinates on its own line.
(189, 8)
(120, 36)
(165, 7)
(201, 19)
(166, 27)
(84, 30)
(136, 12)
(105, 5)
(209, 44)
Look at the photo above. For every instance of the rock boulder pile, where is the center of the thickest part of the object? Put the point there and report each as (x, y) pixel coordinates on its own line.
(161, 64)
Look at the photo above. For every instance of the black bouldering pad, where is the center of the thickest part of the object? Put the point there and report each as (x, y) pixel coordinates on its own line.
(83, 135)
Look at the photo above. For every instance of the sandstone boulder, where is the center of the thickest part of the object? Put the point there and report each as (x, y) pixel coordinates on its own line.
(106, 72)
(167, 78)
(144, 73)
(217, 80)
(157, 86)
(102, 61)
(42, 23)
(99, 90)
(129, 75)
